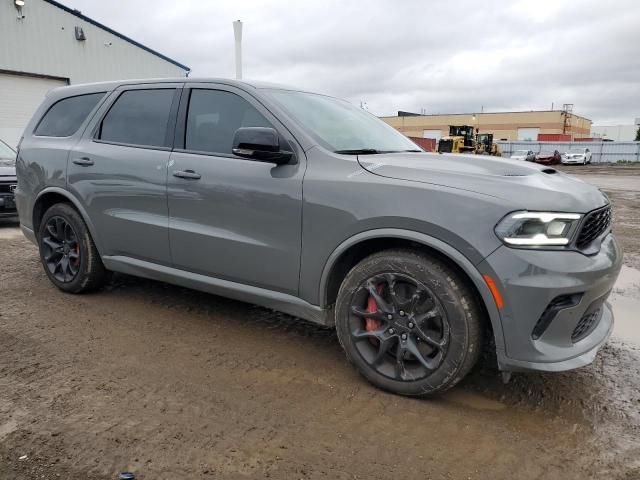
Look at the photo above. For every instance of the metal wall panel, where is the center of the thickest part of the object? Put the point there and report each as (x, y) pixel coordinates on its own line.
(44, 42)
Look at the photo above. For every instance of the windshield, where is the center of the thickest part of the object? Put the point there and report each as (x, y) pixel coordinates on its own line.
(576, 150)
(339, 126)
(7, 155)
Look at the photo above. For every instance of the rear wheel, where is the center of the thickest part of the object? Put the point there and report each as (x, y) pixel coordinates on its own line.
(408, 323)
(67, 252)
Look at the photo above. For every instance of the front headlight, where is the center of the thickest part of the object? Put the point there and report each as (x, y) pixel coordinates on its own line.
(537, 229)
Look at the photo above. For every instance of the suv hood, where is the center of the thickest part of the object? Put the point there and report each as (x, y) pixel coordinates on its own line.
(524, 185)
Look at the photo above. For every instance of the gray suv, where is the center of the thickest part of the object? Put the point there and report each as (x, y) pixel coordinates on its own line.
(305, 204)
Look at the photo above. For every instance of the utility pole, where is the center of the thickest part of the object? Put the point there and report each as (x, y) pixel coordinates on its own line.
(237, 33)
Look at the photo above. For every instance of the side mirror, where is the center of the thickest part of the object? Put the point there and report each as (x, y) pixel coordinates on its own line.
(260, 144)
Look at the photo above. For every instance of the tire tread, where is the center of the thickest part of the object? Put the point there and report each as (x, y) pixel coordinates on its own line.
(95, 274)
(467, 299)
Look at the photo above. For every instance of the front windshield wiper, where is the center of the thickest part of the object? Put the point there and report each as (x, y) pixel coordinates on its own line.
(372, 151)
(359, 151)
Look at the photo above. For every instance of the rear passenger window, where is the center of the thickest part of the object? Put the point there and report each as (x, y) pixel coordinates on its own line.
(213, 118)
(138, 117)
(65, 116)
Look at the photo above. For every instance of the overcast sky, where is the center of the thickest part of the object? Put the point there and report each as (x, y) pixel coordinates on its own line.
(441, 56)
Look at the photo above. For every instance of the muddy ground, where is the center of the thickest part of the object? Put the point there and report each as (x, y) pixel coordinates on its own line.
(172, 383)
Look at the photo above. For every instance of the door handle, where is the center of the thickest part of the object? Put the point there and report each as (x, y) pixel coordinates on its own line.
(189, 174)
(83, 161)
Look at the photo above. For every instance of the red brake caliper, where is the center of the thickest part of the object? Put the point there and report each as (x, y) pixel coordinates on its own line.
(372, 306)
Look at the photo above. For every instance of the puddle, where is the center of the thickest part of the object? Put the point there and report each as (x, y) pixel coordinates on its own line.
(625, 299)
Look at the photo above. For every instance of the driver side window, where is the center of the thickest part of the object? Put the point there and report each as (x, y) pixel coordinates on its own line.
(213, 116)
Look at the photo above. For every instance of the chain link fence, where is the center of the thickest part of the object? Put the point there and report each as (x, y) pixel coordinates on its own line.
(600, 151)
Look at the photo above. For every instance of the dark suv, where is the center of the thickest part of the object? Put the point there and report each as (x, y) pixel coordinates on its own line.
(8, 182)
(305, 204)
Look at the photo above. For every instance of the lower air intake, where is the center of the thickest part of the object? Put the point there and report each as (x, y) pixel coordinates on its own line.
(586, 325)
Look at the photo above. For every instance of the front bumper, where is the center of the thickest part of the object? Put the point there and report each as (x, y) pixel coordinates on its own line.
(566, 161)
(8, 205)
(530, 280)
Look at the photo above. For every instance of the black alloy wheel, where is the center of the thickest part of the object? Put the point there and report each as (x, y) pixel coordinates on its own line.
(399, 326)
(61, 250)
(410, 323)
(67, 251)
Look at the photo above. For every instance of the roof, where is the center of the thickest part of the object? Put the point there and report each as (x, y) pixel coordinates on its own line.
(107, 86)
(78, 14)
(410, 114)
(110, 84)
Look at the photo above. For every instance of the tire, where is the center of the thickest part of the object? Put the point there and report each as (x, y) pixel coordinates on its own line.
(63, 233)
(443, 321)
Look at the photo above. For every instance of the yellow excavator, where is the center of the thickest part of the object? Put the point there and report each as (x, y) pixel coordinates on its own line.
(461, 139)
(486, 146)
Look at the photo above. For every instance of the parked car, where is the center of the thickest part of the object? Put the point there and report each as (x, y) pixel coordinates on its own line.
(527, 155)
(548, 158)
(8, 181)
(311, 206)
(577, 155)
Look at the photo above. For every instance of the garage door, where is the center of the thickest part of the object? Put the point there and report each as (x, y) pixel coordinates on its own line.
(20, 95)
(435, 134)
(528, 134)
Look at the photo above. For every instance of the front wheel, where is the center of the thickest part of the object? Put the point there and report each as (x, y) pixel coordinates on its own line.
(67, 252)
(408, 322)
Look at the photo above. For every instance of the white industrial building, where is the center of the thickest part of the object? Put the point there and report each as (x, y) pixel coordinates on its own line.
(44, 44)
(619, 133)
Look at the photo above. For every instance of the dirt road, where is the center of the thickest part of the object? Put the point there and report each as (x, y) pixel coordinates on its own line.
(172, 383)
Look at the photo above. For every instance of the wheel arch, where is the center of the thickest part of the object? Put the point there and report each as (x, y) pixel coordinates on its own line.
(359, 246)
(48, 197)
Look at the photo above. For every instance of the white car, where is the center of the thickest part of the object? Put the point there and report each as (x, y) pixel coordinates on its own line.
(523, 155)
(577, 155)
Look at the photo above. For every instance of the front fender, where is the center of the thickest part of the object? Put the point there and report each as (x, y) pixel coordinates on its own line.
(445, 249)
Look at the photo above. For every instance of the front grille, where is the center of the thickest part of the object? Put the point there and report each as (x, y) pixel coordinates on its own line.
(594, 225)
(586, 325)
(5, 187)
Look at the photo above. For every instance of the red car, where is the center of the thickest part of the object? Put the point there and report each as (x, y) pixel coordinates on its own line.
(548, 158)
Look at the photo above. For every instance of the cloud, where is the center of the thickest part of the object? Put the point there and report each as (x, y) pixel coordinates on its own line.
(440, 56)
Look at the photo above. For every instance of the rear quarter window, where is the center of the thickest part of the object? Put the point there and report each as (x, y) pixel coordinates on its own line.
(138, 117)
(65, 116)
